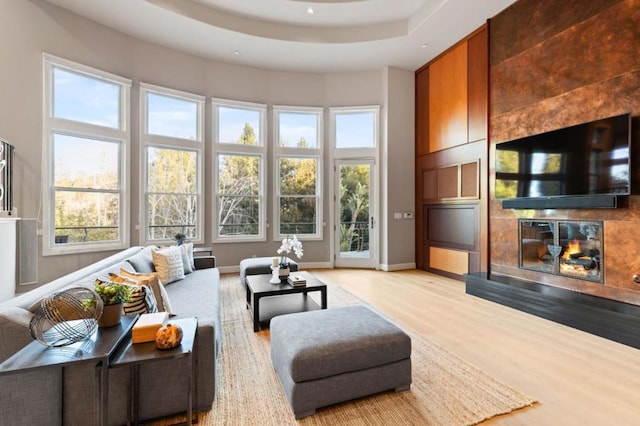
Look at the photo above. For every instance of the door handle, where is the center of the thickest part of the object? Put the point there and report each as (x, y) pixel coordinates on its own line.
(372, 222)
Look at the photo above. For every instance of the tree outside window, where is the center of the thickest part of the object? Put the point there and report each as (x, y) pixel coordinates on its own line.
(239, 175)
(172, 197)
(173, 137)
(298, 131)
(298, 195)
(86, 195)
(86, 126)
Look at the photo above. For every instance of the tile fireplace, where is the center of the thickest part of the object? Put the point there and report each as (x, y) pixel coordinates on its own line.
(571, 248)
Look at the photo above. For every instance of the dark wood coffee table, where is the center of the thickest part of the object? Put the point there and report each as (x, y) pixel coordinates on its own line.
(266, 300)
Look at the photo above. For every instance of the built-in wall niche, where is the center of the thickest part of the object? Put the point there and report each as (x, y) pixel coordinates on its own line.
(570, 248)
(457, 181)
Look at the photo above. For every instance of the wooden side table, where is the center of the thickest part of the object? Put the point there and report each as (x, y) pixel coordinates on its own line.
(134, 354)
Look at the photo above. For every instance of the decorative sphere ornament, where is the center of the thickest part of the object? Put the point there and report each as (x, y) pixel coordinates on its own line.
(169, 336)
(66, 317)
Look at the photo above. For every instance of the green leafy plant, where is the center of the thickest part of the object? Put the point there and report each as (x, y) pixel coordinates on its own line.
(113, 293)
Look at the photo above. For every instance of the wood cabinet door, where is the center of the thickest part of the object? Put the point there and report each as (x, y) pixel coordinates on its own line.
(448, 100)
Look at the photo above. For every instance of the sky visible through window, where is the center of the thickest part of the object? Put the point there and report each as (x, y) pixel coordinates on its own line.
(171, 116)
(88, 100)
(231, 122)
(295, 127)
(355, 130)
(81, 98)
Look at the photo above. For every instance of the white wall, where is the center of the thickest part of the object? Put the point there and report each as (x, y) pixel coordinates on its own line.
(398, 159)
(30, 28)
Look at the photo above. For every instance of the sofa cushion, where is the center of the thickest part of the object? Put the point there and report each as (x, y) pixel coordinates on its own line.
(168, 264)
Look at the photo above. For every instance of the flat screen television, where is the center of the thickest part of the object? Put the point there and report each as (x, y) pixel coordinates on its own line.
(588, 159)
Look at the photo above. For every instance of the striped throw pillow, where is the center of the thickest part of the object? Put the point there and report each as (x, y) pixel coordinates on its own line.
(142, 301)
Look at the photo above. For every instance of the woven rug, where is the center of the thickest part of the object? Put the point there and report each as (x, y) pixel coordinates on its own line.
(445, 390)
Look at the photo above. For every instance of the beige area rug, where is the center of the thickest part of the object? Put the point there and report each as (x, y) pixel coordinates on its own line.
(445, 390)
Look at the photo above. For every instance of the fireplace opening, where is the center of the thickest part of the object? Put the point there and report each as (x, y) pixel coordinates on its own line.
(562, 247)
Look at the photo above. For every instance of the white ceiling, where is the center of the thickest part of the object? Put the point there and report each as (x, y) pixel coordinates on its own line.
(341, 35)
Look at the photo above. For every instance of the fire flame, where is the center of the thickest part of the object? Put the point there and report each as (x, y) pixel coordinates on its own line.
(572, 248)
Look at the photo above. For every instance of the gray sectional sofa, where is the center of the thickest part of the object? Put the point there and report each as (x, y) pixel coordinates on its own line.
(66, 396)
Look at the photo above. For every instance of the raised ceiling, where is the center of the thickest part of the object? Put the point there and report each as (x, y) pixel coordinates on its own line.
(340, 35)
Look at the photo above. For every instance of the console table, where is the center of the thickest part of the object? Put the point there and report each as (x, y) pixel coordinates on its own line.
(135, 354)
(98, 349)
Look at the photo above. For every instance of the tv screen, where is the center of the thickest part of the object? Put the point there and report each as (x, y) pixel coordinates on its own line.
(586, 159)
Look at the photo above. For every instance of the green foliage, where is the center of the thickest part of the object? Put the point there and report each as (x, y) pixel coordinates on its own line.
(354, 207)
(113, 293)
(248, 136)
(298, 191)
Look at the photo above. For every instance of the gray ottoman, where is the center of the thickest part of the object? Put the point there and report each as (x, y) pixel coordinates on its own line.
(259, 266)
(335, 355)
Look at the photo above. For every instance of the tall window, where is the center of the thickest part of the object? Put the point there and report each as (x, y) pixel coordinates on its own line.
(172, 132)
(298, 131)
(86, 142)
(238, 134)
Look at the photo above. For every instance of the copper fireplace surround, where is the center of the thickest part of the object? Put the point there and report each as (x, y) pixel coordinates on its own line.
(570, 248)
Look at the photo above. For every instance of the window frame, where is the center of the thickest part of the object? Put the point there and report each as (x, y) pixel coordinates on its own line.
(280, 152)
(151, 140)
(353, 152)
(225, 148)
(53, 125)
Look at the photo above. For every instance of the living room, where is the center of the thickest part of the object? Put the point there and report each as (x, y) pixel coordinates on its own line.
(37, 27)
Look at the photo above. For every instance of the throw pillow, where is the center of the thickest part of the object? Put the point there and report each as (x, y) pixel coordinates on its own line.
(143, 261)
(142, 299)
(186, 250)
(151, 280)
(168, 264)
(141, 302)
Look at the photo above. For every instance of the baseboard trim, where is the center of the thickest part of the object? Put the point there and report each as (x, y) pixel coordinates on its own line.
(396, 267)
(610, 319)
(234, 269)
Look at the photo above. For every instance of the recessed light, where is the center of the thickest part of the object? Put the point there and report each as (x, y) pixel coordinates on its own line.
(237, 52)
(424, 45)
(310, 11)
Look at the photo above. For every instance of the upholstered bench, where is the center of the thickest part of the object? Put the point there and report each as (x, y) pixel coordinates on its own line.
(260, 265)
(335, 355)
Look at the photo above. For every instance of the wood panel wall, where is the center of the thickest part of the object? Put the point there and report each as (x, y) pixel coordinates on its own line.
(573, 62)
(448, 96)
(451, 156)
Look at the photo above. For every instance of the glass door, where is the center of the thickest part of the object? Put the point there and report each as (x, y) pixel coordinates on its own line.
(354, 207)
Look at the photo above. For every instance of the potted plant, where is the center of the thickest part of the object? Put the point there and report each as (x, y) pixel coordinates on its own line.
(180, 238)
(288, 244)
(113, 295)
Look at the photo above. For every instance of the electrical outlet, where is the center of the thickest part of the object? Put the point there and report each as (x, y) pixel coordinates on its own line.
(408, 215)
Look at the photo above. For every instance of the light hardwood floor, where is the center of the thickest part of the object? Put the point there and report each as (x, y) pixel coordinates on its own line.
(578, 378)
